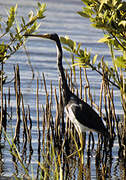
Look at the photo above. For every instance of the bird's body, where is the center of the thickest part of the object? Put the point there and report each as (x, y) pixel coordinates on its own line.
(83, 116)
(79, 112)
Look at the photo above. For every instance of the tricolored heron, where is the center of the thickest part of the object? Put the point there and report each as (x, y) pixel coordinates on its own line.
(79, 112)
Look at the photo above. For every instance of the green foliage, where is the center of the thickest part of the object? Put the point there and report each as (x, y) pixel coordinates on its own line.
(15, 153)
(15, 30)
(81, 56)
(111, 17)
(120, 62)
(11, 18)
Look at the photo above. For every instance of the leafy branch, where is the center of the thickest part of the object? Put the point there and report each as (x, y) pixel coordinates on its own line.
(83, 59)
(15, 30)
(109, 16)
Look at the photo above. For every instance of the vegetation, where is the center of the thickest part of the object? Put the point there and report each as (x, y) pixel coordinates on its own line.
(14, 28)
(56, 138)
(109, 16)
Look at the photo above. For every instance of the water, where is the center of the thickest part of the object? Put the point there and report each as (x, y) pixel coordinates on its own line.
(61, 18)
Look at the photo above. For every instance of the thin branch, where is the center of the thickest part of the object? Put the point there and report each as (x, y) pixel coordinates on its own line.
(99, 72)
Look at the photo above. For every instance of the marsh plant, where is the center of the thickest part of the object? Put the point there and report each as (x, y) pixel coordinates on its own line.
(56, 138)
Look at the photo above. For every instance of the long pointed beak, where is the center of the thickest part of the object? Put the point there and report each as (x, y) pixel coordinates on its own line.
(39, 35)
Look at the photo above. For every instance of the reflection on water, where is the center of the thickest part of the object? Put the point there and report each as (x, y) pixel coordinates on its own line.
(33, 139)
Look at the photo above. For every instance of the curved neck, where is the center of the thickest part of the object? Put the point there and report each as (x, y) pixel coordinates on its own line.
(61, 70)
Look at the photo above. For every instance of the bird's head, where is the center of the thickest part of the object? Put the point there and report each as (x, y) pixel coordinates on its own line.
(52, 36)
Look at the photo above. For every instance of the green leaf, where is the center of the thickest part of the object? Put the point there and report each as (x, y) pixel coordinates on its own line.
(66, 48)
(83, 14)
(3, 51)
(30, 15)
(42, 9)
(23, 21)
(94, 59)
(81, 65)
(123, 23)
(102, 4)
(120, 62)
(11, 17)
(105, 39)
(33, 28)
(79, 45)
(69, 42)
(63, 40)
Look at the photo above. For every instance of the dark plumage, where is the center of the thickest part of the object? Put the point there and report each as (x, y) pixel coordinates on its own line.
(86, 117)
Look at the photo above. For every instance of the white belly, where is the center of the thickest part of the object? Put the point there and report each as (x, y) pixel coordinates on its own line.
(79, 127)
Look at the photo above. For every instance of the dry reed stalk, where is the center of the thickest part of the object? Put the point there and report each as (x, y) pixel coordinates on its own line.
(109, 115)
(47, 101)
(89, 143)
(24, 135)
(18, 97)
(73, 68)
(37, 109)
(88, 86)
(68, 79)
(124, 123)
(9, 96)
(105, 103)
(29, 130)
(4, 121)
(80, 172)
(61, 108)
(100, 100)
(113, 108)
(80, 84)
(71, 83)
(50, 112)
(113, 115)
(1, 88)
(38, 127)
(49, 119)
(60, 104)
(57, 122)
(37, 102)
(85, 93)
(25, 132)
(50, 100)
(43, 128)
(47, 114)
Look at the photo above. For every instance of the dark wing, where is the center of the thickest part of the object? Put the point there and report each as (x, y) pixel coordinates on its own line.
(87, 116)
